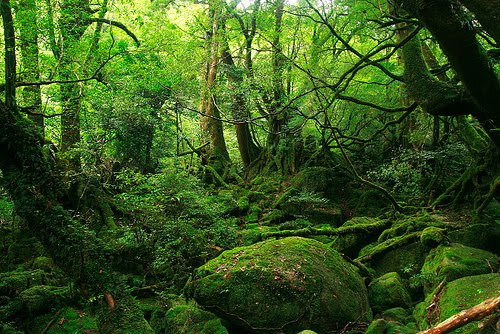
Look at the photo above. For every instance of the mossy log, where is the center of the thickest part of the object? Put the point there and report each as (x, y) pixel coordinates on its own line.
(311, 231)
(390, 244)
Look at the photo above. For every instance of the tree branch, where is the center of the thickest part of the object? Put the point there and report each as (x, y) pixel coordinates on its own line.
(118, 25)
(462, 318)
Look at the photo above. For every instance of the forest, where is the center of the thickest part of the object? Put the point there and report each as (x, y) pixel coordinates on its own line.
(250, 166)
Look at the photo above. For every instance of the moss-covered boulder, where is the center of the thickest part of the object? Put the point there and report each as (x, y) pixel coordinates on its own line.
(14, 282)
(189, 319)
(398, 314)
(66, 321)
(457, 296)
(406, 260)
(433, 236)
(382, 326)
(455, 261)
(43, 298)
(290, 284)
(482, 236)
(388, 291)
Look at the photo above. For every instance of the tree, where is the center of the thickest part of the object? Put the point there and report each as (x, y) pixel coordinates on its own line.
(29, 175)
(26, 14)
(217, 155)
(468, 58)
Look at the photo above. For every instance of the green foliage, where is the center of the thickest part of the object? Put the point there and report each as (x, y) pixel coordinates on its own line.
(176, 219)
(414, 174)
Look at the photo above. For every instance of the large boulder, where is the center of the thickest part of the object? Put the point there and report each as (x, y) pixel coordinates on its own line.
(287, 285)
(457, 296)
(456, 261)
(388, 291)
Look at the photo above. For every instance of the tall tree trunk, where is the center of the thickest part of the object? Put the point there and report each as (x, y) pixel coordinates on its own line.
(10, 54)
(217, 155)
(277, 116)
(73, 23)
(27, 17)
(249, 151)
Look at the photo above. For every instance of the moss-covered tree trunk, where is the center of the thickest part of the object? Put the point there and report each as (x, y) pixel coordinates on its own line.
(73, 23)
(449, 25)
(27, 17)
(217, 155)
(249, 151)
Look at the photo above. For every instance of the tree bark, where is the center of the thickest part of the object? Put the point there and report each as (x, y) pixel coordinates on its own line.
(10, 54)
(477, 312)
(467, 57)
(487, 12)
(26, 14)
(217, 155)
(248, 150)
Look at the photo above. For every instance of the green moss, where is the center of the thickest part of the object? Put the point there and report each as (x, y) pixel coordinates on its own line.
(66, 321)
(126, 317)
(457, 296)
(405, 260)
(482, 236)
(14, 282)
(189, 319)
(45, 263)
(455, 261)
(364, 231)
(295, 283)
(433, 236)
(381, 326)
(397, 314)
(388, 291)
(43, 298)
(407, 224)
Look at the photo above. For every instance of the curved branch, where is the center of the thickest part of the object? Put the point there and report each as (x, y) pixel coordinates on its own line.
(118, 25)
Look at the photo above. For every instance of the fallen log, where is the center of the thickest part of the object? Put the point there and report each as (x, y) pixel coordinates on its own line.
(462, 318)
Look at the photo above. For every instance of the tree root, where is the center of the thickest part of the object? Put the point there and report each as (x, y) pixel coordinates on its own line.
(390, 245)
(309, 232)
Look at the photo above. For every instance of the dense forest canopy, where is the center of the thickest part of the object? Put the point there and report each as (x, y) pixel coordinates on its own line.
(141, 139)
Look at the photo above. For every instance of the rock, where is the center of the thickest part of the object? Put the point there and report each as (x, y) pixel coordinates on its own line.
(387, 292)
(406, 260)
(290, 284)
(456, 296)
(433, 236)
(42, 298)
(455, 261)
(398, 314)
(189, 319)
(381, 326)
(482, 236)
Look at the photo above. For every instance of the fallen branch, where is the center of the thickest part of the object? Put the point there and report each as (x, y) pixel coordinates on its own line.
(462, 318)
